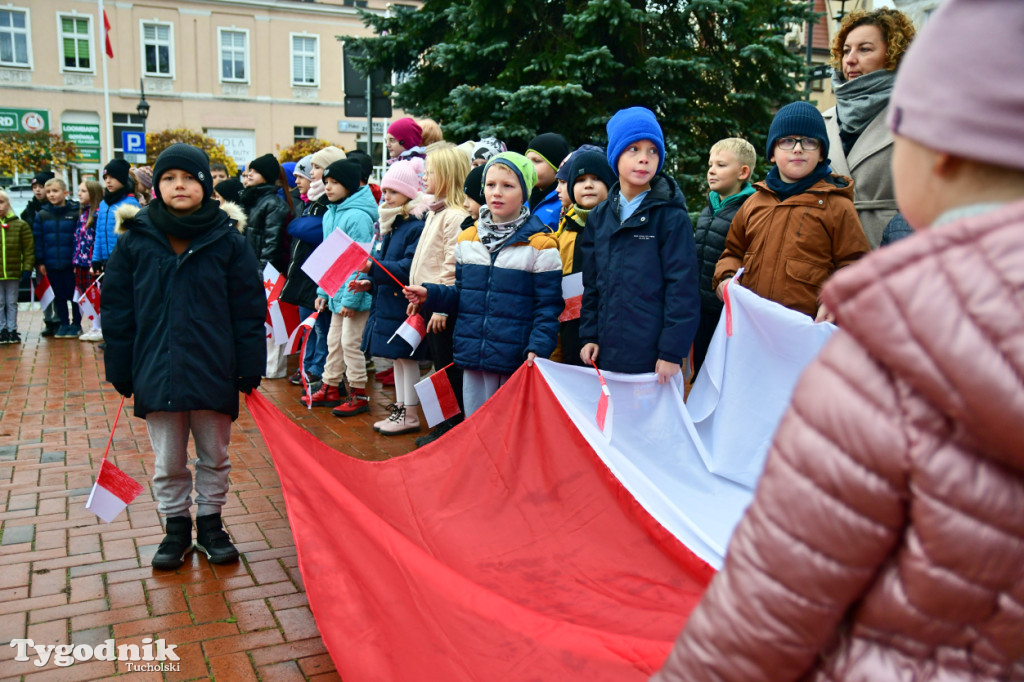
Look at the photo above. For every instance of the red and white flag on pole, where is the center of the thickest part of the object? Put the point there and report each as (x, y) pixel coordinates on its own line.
(284, 320)
(412, 330)
(43, 291)
(106, 34)
(604, 406)
(437, 398)
(295, 339)
(112, 492)
(334, 260)
(572, 292)
(89, 302)
(273, 283)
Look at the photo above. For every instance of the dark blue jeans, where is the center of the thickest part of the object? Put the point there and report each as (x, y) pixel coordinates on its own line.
(316, 347)
(63, 283)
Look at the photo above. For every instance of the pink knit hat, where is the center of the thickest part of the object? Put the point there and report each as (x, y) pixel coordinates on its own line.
(402, 178)
(959, 88)
(407, 132)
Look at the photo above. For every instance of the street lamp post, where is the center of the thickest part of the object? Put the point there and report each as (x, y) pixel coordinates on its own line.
(142, 108)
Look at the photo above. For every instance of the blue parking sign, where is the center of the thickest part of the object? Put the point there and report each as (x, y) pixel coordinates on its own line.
(133, 142)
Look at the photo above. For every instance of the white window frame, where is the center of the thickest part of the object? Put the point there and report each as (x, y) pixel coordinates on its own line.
(89, 36)
(316, 59)
(170, 47)
(28, 37)
(221, 30)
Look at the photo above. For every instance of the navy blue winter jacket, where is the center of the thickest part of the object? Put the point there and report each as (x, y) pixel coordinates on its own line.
(183, 328)
(54, 233)
(395, 253)
(549, 209)
(508, 302)
(640, 300)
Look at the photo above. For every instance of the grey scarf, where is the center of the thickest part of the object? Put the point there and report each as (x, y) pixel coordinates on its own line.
(860, 100)
(494, 235)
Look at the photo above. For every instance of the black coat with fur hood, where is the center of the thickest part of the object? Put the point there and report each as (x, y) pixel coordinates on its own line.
(183, 328)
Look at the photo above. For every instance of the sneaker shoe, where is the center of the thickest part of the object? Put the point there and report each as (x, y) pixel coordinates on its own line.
(357, 403)
(92, 335)
(65, 331)
(213, 541)
(295, 379)
(176, 545)
(51, 330)
(435, 433)
(325, 396)
(392, 409)
(404, 420)
(5, 336)
(76, 329)
(13, 337)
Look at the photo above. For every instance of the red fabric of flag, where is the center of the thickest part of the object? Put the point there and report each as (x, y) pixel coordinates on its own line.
(106, 31)
(504, 551)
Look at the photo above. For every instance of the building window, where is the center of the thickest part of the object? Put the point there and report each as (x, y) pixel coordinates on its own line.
(157, 52)
(234, 55)
(305, 133)
(14, 43)
(304, 60)
(76, 43)
(361, 4)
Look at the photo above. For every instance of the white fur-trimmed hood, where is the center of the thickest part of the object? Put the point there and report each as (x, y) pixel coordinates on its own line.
(127, 212)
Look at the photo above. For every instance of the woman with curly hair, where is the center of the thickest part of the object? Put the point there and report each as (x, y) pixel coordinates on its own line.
(866, 52)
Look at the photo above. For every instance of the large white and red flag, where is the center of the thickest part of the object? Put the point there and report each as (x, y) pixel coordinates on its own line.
(572, 294)
(43, 291)
(334, 260)
(525, 539)
(412, 330)
(437, 399)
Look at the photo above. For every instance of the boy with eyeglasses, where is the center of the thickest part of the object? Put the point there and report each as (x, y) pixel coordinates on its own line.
(800, 226)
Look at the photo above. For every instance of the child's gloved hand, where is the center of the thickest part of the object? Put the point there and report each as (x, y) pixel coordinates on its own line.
(125, 388)
(247, 384)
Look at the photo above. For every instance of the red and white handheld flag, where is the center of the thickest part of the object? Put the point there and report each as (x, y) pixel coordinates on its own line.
(334, 260)
(112, 492)
(273, 283)
(284, 320)
(572, 292)
(89, 302)
(43, 291)
(604, 406)
(114, 489)
(412, 330)
(295, 339)
(437, 398)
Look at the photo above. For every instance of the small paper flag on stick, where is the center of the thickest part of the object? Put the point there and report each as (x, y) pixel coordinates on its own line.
(437, 399)
(112, 492)
(604, 405)
(412, 330)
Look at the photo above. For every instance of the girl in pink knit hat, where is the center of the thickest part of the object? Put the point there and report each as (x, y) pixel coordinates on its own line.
(405, 141)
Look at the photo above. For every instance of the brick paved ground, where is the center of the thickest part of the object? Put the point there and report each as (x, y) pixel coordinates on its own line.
(67, 577)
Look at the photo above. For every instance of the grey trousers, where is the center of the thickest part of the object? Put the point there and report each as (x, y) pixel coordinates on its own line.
(478, 386)
(9, 304)
(172, 479)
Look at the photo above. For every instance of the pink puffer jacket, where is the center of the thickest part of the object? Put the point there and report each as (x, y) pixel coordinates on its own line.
(886, 539)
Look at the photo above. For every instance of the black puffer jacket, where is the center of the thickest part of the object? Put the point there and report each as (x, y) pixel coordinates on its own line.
(183, 328)
(710, 233)
(640, 300)
(268, 215)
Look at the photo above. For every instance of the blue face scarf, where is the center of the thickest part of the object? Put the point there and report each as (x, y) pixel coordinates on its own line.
(786, 190)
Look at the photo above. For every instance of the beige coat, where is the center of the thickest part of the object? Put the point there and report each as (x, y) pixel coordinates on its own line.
(870, 166)
(885, 542)
(434, 260)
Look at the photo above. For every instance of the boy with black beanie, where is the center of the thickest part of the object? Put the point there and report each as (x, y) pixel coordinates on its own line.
(800, 225)
(183, 314)
(118, 187)
(547, 151)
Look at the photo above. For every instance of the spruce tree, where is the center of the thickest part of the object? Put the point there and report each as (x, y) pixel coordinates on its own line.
(709, 69)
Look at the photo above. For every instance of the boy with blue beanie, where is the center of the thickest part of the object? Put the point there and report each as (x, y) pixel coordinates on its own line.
(640, 300)
(800, 225)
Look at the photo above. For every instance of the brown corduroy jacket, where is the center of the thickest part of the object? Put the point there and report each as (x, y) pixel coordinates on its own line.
(789, 248)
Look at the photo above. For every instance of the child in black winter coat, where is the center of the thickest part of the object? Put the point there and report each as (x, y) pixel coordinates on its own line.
(183, 311)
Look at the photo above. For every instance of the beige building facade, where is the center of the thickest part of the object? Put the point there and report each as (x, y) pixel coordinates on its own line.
(257, 75)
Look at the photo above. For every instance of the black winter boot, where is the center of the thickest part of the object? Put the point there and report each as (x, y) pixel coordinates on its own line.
(176, 545)
(213, 541)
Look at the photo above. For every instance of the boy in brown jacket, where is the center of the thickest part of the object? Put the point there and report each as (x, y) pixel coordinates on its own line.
(800, 226)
